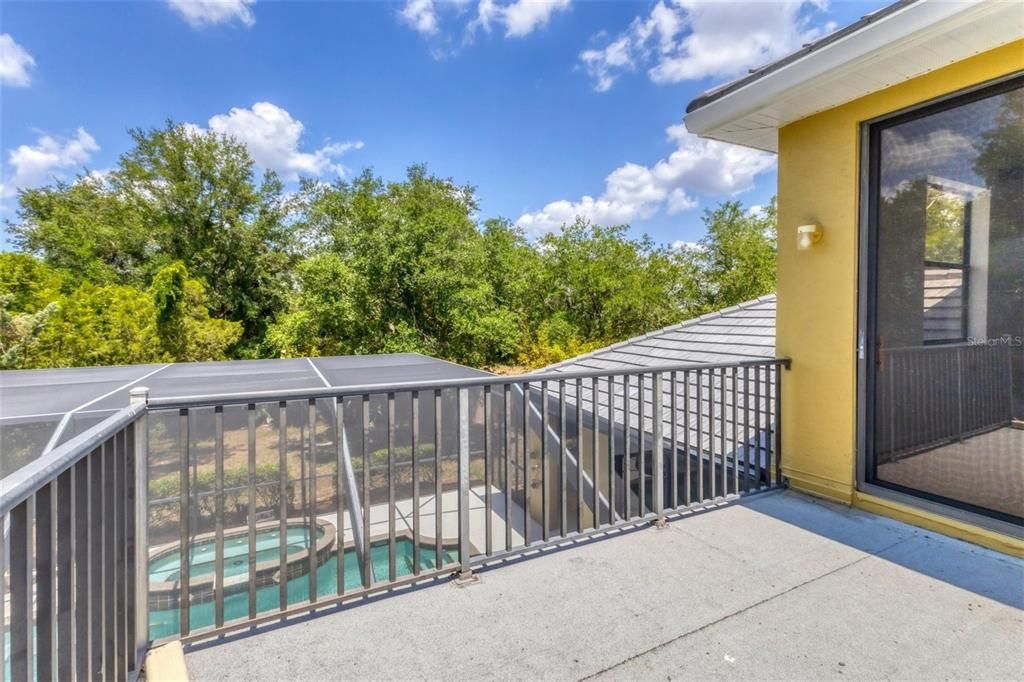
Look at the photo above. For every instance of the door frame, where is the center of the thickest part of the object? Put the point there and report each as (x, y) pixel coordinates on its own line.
(868, 160)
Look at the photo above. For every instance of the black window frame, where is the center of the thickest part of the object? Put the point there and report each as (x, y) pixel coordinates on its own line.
(870, 162)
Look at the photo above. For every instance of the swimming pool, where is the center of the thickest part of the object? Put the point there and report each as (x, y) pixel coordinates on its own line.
(165, 567)
(165, 622)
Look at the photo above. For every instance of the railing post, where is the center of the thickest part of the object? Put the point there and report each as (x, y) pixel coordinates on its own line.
(465, 572)
(658, 449)
(960, 392)
(137, 395)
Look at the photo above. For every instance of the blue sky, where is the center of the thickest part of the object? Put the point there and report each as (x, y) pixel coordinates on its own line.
(550, 108)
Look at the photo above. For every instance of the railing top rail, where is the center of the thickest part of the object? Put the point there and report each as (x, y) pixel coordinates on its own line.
(19, 484)
(988, 343)
(189, 401)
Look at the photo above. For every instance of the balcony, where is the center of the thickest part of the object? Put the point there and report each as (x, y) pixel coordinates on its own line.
(776, 586)
(217, 519)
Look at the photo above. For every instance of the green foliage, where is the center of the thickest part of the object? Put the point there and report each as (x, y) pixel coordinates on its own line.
(84, 229)
(236, 491)
(999, 156)
(944, 232)
(106, 324)
(197, 198)
(187, 332)
(555, 340)
(20, 331)
(400, 267)
(29, 284)
(179, 194)
(606, 285)
(181, 253)
(733, 262)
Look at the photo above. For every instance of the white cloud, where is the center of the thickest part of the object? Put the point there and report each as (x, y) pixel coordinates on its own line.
(421, 15)
(919, 152)
(635, 192)
(15, 62)
(682, 245)
(679, 201)
(202, 13)
(522, 17)
(516, 18)
(37, 164)
(603, 65)
(273, 138)
(933, 148)
(99, 176)
(693, 39)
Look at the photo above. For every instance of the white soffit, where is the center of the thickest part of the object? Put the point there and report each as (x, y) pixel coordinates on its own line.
(913, 40)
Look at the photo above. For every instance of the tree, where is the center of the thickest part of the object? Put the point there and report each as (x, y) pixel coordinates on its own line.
(398, 267)
(187, 332)
(197, 196)
(944, 226)
(179, 194)
(28, 290)
(606, 285)
(107, 324)
(514, 268)
(30, 284)
(47, 322)
(19, 331)
(733, 262)
(181, 253)
(85, 230)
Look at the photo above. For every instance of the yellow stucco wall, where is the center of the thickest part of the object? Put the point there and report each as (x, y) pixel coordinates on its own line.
(817, 289)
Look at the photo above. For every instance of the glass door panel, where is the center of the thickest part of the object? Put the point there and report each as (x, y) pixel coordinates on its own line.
(945, 351)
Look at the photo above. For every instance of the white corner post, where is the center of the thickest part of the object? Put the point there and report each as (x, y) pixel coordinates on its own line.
(140, 395)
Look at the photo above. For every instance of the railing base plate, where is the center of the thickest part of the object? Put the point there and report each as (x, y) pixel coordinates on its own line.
(465, 578)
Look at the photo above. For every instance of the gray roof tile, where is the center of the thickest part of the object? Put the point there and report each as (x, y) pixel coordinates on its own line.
(742, 332)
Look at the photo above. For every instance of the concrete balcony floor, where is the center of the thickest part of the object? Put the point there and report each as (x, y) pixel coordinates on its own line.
(778, 586)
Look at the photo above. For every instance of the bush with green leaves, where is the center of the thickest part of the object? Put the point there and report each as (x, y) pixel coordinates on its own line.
(182, 253)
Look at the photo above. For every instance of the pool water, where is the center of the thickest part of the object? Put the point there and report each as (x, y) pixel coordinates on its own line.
(165, 622)
(203, 555)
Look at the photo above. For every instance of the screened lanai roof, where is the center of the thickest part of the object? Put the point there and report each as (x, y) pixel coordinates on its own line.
(34, 402)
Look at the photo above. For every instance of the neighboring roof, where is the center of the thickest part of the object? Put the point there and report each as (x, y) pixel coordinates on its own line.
(886, 47)
(742, 332)
(33, 402)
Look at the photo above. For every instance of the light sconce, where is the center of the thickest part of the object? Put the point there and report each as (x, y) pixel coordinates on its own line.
(807, 236)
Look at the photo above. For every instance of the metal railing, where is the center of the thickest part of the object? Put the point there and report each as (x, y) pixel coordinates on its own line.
(75, 540)
(936, 394)
(232, 510)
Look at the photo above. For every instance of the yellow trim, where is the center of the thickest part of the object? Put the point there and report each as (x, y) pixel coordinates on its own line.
(819, 486)
(940, 524)
(166, 663)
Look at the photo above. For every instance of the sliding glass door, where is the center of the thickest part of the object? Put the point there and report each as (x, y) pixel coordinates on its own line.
(943, 327)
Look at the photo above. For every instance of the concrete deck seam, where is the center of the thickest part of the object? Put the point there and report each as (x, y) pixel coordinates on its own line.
(741, 611)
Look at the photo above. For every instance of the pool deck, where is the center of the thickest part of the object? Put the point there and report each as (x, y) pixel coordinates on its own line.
(779, 586)
(379, 518)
